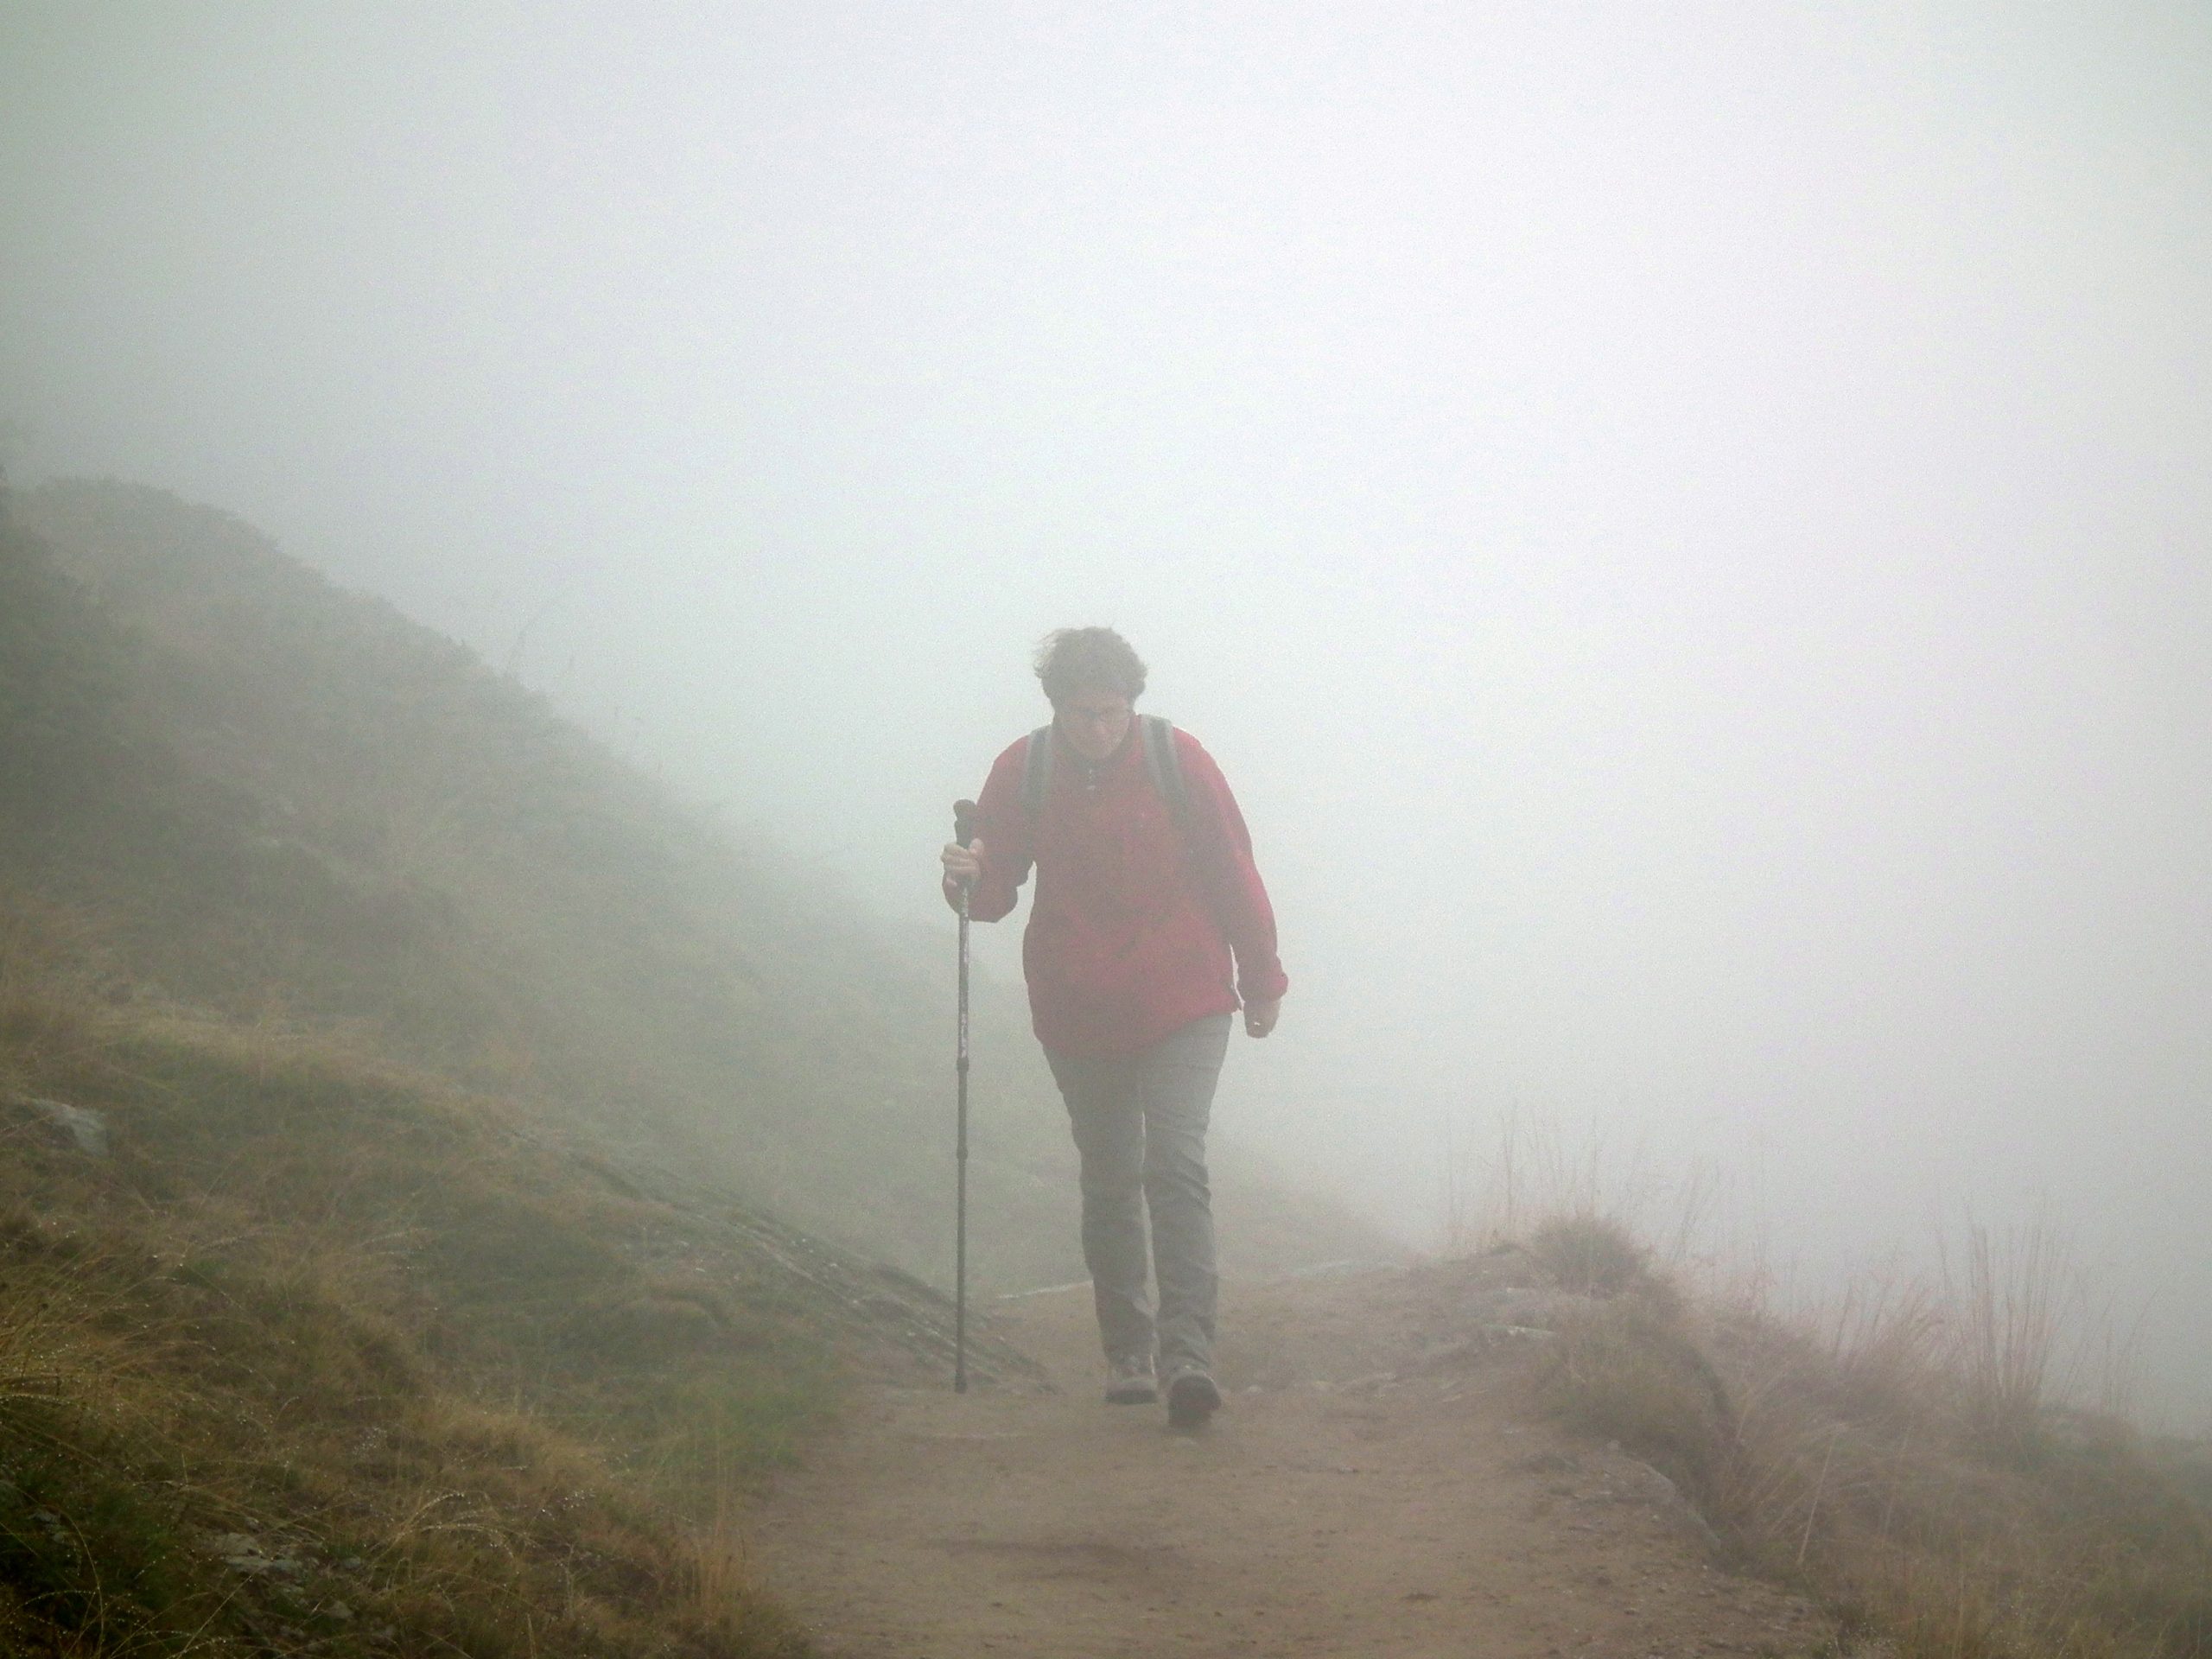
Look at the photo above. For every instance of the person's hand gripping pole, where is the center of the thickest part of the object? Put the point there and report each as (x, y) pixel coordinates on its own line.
(964, 872)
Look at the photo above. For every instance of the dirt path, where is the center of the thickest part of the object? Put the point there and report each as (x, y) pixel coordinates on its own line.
(1379, 1484)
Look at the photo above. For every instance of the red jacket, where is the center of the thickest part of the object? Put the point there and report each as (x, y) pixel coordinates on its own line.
(1134, 921)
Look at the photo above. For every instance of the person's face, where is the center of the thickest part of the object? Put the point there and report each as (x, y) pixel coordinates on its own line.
(1095, 722)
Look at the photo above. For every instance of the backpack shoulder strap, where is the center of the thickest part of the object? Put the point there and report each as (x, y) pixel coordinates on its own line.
(1036, 772)
(1162, 765)
(1165, 767)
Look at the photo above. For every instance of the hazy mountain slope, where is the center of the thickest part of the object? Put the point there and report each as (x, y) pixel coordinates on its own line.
(302, 1350)
(282, 796)
(353, 1011)
(303, 1344)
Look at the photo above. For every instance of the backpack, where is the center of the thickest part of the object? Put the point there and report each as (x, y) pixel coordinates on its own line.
(1161, 764)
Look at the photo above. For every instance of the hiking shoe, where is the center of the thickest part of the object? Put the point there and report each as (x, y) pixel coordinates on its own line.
(1129, 1382)
(1191, 1400)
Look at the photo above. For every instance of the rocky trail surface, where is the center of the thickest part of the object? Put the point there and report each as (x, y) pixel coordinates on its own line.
(1381, 1483)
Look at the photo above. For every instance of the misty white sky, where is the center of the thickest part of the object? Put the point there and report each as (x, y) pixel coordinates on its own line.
(1688, 527)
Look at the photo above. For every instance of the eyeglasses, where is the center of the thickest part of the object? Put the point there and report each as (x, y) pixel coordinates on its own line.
(1096, 714)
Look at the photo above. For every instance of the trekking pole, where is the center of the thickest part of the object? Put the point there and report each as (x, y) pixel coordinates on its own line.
(963, 831)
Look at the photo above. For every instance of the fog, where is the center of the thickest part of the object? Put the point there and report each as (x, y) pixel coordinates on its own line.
(1688, 529)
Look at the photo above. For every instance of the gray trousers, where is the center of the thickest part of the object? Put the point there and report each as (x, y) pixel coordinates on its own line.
(1140, 1123)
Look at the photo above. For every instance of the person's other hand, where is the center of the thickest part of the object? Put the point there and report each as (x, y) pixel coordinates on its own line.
(1259, 1017)
(963, 866)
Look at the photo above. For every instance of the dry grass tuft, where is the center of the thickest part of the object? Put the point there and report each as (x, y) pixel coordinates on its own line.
(1589, 1255)
(1883, 1341)
(2010, 1303)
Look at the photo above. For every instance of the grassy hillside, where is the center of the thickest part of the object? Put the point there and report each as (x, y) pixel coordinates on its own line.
(301, 1349)
(395, 1094)
(283, 798)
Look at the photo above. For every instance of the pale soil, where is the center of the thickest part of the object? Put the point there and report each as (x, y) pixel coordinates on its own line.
(1382, 1482)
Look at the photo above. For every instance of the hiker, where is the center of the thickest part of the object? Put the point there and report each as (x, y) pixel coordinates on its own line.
(1145, 888)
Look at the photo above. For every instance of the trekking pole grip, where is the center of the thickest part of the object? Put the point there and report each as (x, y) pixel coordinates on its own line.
(965, 814)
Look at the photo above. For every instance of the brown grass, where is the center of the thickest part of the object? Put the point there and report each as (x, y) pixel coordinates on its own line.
(319, 1357)
(1900, 1458)
(1590, 1255)
(2010, 1306)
